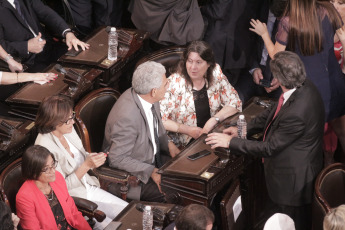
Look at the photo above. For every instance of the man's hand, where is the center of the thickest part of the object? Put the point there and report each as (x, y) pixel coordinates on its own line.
(14, 65)
(156, 178)
(257, 76)
(36, 44)
(232, 131)
(218, 140)
(72, 41)
(274, 86)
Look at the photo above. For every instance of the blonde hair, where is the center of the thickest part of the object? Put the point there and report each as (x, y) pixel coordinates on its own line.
(335, 219)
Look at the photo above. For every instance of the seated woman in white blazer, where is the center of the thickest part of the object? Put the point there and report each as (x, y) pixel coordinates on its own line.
(54, 123)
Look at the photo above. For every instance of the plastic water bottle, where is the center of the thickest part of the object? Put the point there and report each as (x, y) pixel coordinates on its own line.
(112, 44)
(242, 127)
(147, 218)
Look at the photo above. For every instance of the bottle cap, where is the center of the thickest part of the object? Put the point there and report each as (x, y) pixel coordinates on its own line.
(113, 29)
(241, 117)
(147, 207)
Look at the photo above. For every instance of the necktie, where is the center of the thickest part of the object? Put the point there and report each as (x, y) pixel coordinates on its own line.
(158, 161)
(280, 104)
(267, 72)
(16, 3)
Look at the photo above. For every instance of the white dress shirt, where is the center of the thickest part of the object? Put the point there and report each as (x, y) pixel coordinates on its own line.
(149, 116)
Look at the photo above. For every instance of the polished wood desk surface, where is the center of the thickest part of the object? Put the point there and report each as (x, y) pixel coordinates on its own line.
(97, 54)
(185, 181)
(26, 100)
(131, 218)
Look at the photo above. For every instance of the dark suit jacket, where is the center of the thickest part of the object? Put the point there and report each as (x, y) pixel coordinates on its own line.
(292, 148)
(14, 32)
(228, 30)
(128, 139)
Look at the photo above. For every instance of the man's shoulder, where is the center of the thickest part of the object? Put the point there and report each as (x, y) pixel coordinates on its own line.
(126, 104)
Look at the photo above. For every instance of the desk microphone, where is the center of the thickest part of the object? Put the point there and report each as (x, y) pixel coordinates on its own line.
(60, 69)
(261, 102)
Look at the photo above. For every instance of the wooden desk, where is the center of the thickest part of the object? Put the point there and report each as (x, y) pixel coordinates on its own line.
(131, 218)
(185, 181)
(25, 102)
(15, 141)
(96, 56)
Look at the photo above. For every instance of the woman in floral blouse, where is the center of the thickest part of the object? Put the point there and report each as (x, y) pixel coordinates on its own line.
(199, 95)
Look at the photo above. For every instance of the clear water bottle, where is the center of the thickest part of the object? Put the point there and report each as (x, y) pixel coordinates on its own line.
(112, 44)
(147, 218)
(242, 127)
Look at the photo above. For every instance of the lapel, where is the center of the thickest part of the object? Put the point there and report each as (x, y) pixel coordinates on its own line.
(142, 112)
(28, 15)
(7, 5)
(69, 158)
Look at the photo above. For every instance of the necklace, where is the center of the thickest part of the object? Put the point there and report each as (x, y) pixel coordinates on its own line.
(50, 196)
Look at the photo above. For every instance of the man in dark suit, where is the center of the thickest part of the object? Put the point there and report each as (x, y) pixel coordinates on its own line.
(292, 145)
(249, 84)
(22, 35)
(134, 133)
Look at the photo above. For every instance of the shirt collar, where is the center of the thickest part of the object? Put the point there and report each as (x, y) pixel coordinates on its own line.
(287, 94)
(12, 3)
(146, 105)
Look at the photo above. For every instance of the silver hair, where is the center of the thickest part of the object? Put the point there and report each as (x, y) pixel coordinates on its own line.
(289, 69)
(148, 76)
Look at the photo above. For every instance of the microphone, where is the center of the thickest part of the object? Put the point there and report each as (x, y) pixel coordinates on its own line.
(60, 69)
(261, 102)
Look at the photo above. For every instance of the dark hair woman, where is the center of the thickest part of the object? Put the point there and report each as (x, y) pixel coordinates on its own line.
(199, 95)
(54, 122)
(43, 201)
(308, 28)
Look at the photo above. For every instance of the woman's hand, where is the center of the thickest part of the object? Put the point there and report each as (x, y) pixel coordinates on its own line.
(94, 160)
(14, 65)
(341, 35)
(258, 27)
(194, 132)
(42, 78)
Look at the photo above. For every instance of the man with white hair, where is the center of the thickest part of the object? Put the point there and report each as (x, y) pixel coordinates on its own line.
(134, 133)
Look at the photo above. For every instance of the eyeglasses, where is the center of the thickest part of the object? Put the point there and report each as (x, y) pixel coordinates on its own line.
(47, 169)
(69, 120)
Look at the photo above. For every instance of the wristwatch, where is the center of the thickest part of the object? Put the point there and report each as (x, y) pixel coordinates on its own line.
(217, 119)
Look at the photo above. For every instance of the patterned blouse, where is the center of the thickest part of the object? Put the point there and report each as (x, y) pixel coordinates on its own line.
(178, 102)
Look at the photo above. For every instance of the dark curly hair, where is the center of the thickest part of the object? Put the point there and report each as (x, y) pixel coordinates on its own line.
(205, 52)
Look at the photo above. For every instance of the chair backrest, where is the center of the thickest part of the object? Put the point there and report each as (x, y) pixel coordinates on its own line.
(329, 192)
(10, 182)
(168, 57)
(91, 115)
(232, 219)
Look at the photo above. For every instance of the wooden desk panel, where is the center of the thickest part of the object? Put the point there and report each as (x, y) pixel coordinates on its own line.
(96, 56)
(25, 101)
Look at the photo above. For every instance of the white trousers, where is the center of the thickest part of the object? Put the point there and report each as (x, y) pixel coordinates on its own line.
(108, 203)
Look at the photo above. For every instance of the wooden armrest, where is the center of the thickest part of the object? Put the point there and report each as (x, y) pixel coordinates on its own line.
(112, 174)
(89, 209)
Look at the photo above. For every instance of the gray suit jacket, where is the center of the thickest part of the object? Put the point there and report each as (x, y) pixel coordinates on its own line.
(128, 139)
(67, 165)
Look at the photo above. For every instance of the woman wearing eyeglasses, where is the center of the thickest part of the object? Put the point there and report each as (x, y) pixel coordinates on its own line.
(43, 201)
(54, 123)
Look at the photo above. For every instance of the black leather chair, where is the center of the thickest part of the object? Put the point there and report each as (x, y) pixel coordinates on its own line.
(329, 192)
(91, 115)
(168, 57)
(11, 180)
